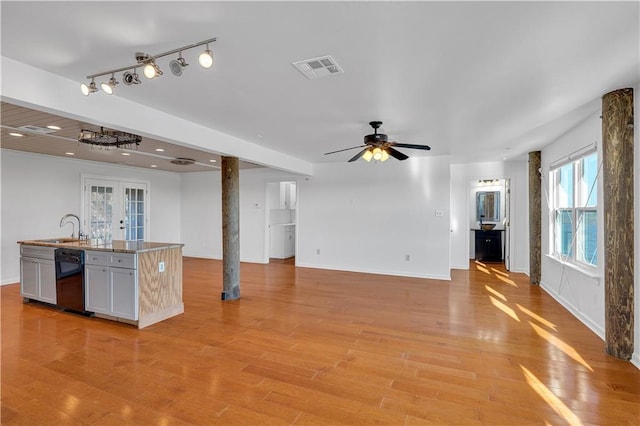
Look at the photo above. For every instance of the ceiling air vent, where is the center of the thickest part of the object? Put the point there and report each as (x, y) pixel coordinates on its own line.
(183, 161)
(318, 67)
(35, 129)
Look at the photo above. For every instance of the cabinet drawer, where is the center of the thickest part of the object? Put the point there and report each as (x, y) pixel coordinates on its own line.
(37, 252)
(100, 258)
(124, 260)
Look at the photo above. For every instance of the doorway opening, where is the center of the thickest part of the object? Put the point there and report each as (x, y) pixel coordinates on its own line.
(281, 204)
(489, 220)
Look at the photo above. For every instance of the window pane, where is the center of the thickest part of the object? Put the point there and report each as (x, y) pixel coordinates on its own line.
(587, 191)
(588, 237)
(564, 186)
(564, 233)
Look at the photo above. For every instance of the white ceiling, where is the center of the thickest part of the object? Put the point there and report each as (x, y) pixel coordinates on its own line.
(475, 80)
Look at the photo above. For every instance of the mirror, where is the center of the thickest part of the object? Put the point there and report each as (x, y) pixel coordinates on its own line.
(488, 206)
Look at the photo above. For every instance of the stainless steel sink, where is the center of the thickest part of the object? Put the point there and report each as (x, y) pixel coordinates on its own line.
(58, 240)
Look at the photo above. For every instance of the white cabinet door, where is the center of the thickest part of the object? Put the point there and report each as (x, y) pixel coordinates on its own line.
(97, 289)
(38, 279)
(29, 277)
(289, 243)
(47, 284)
(124, 293)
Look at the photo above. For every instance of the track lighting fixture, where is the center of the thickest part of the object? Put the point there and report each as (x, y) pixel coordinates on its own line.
(108, 86)
(206, 58)
(88, 88)
(150, 68)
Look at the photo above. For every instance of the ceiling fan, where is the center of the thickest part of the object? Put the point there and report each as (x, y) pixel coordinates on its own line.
(378, 147)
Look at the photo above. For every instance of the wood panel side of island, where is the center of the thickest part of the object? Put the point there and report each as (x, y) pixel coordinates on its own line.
(160, 292)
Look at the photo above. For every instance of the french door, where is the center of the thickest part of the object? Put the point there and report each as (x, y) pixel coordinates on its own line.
(115, 210)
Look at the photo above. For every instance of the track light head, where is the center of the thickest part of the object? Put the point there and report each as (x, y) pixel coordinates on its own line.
(87, 89)
(108, 86)
(176, 65)
(206, 58)
(151, 70)
(129, 78)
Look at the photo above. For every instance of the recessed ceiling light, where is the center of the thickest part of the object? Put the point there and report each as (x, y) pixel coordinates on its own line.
(16, 134)
(153, 166)
(54, 127)
(159, 149)
(125, 153)
(213, 161)
(70, 153)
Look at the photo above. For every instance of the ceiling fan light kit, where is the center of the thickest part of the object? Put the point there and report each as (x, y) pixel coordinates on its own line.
(378, 147)
(150, 68)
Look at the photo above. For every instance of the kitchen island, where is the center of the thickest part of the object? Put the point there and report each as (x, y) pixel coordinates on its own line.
(136, 282)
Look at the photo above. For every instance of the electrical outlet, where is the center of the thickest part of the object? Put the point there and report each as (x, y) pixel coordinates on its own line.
(407, 257)
(161, 267)
(439, 213)
(317, 251)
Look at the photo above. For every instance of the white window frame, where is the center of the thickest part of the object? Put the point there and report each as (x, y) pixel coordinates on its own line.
(577, 210)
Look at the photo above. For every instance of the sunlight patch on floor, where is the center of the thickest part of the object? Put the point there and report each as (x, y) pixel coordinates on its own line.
(497, 271)
(495, 293)
(483, 269)
(558, 343)
(537, 317)
(506, 280)
(553, 401)
(504, 308)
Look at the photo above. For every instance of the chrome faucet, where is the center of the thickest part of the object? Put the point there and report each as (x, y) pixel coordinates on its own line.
(73, 229)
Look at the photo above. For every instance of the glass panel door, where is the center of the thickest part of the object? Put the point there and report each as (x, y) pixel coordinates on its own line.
(100, 211)
(115, 210)
(134, 220)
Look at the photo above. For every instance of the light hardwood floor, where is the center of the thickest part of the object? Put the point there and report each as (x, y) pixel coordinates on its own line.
(308, 346)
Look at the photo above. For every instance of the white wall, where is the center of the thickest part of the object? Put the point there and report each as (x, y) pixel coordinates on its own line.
(581, 291)
(37, 190)
(362, 217)
(202, 213)
(462, 207)
(368, 217)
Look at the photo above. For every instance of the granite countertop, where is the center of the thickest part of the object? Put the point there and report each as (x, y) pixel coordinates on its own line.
(119, 246)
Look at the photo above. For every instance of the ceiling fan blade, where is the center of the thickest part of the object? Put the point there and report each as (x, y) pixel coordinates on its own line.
(412, 146)
(346, 149)
(396, 154)
(358, 155)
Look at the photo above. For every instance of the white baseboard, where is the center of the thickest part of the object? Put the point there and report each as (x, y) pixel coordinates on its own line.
(635, 359)
(599, 331)
(377, 272)
(8, 281)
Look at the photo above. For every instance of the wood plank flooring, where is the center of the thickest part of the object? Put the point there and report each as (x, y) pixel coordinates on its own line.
(307, 346)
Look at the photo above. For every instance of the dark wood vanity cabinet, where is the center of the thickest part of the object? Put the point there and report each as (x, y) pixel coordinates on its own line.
(489, 245)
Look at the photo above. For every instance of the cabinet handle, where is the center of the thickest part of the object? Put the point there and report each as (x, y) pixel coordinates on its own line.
(104, 270)
(130, 274)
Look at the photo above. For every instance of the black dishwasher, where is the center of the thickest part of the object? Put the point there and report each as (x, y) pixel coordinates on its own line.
(70, 279)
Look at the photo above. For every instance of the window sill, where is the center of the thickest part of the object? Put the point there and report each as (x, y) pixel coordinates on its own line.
(590, 272)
